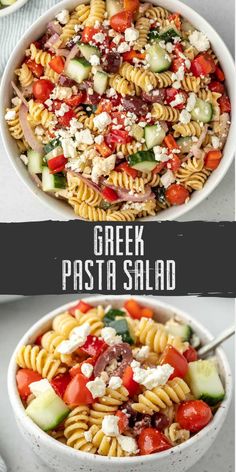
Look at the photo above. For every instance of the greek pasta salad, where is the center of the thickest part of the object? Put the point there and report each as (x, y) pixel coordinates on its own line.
(116, 382)
(120, 109)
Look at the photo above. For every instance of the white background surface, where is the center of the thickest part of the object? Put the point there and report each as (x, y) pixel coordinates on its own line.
(18, 204)
(16, 317)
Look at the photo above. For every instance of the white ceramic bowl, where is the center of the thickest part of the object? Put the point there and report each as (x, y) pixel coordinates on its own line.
(38, 29)
(60, 457)
(12, 8)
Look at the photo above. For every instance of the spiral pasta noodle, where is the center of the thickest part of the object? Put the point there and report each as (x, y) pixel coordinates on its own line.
(153, 180)
(107, 405)
(164, 79)
(130, 148)
(197, 180)
(191, 83)
(39, 56)
(123, 180)
(153, 335)
(82, 117)
(97, 11)
(122, 215)
(191, 129)
(209, 96)
(51, 340)
(107, 445)
(88, 212)
(82, 192)
(14, 124)
(174, 391)
(143, 27)
(79, 16)
(64, 323)
(32, 357)
(166, 113)
(93, 320)
(75, 426)
(50, 74)
(176, 434)
(25, 75)
(122, 86)
(139, 76)
(40, 115)
(188, 168)
(157, 13)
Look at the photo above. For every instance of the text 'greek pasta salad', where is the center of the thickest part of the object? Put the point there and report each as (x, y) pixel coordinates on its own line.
(114, 382)
(120, 109)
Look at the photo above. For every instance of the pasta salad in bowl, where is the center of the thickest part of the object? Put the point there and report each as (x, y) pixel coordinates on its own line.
(121, 110)
(118, 378)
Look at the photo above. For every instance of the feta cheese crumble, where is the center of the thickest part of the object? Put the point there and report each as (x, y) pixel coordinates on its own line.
(87, 369)
(94, 60)
(128, 444)
(84, 137)
(110, 425)
(123, 47)
(199, 40)
(141, 353)
(102, 120)
(24, 159)
(76, 339)
(10, 115)
(88, 436)
(152, 377)
(102, 166)
(110, 337)
(168, 178)
(215, 142)
(40, 386)
(161, 154)
(97, 387)
(184, 117)
(131, 34)
(63, 17)
(115, 382)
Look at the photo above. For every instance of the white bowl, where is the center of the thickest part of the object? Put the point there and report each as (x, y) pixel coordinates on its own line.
(60, 457)
(38, 29)
(12, 8)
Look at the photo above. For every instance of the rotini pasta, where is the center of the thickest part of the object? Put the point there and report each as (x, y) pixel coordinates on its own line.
(75, 426)
(156, 337)
(176, 434)
(107, 405)
(32, 357)
(110, 99)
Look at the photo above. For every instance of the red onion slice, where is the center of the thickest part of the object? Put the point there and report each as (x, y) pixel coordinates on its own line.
(54, 27)
(62, 52)
(19, 94)
(28, 132)
(71, 55)
(52, 40)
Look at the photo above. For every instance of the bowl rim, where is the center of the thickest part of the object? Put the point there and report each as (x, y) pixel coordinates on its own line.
(155, 303)
(12, 8)
(172, 213)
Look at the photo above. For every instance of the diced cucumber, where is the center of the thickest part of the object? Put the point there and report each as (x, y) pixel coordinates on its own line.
(185, 144)
(202, 111)
(158, 59)
(35, 162)
(113, 7)
(52, 182)
(78, 69)
(111, 316)
(168, 33)
(52, 145)
(87, 51)
(179, 329)
(122, 329)
(204, 381)
(47, 410)
(154, 135)
(144, 161)
(137, 132)
(100, 82)
(54, 153)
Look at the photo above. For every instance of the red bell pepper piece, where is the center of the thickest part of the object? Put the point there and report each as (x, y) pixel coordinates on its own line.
(126, 168)
(57, 164)
(129, 383)
(60, 382)
(121, 21)
(57, 64)
(81, 306)
(225, 105)
(203, 64)
(93, 346)
(109, 194)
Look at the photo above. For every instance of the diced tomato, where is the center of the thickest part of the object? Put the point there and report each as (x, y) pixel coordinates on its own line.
(151, 440)
(37, 69)
(121, 21)
(127, 169)
(57, 164)
(77, 393)
(123, 422)
(175, 17)
(225, 105)
(177, 63)
(131, 5)
(104, 105)
(76, 369)
(42, 89)
(203, 64)
(171, 95)
(147, 313)
(75, 100)
(159, 168)
(103, 149)
(190, 354)
(178, 49)
(130, 55)
(212, 159)
(193, 415)
(93, 346)
(66, 118)
(38, 340)
(129, 382)
(57, 64)
(176, 194)
(219, 74)
(175, 359)
(81, 306)
(174, 163)
(119, 136)
(170, 142)
(109, 194)
(24, 378)
(88, 34)
(60, 382)
(216, 87)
